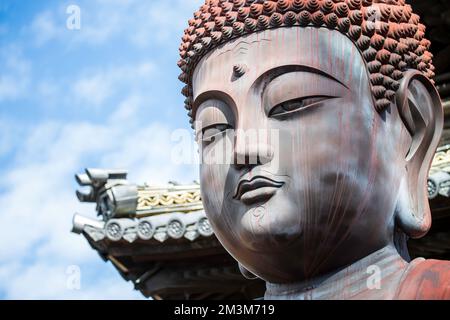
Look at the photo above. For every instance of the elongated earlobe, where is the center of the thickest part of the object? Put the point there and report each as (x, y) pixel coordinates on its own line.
(247, 274)
(420, 109)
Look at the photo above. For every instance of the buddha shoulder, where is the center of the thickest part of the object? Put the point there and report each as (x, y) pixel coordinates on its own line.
(425, 280)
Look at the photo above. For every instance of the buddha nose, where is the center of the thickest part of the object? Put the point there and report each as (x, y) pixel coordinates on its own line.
(251, 150)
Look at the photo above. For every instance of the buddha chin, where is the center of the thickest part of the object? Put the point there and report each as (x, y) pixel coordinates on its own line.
(264, 227)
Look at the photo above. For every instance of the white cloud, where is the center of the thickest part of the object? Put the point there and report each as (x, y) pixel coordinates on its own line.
(96, 87)
(44, 28)
(6, 141)
(53, 281)
(161, 20)
(39, 199)
(127, 111)
(141, 22)
(15, 73)
(98, 24)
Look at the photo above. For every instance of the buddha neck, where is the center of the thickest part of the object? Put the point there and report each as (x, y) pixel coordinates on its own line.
(355, 281)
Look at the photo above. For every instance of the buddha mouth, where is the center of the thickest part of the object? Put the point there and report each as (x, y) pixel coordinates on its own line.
(258, 189)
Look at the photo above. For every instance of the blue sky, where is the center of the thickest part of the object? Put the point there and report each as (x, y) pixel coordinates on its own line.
(106, 95)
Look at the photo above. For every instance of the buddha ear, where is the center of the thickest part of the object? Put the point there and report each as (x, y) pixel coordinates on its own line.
(420, 109)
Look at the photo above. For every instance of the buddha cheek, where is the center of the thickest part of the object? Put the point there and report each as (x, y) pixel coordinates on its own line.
(213, 180)
(330, 176)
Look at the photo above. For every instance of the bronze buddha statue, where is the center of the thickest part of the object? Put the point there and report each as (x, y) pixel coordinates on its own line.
(327, 203)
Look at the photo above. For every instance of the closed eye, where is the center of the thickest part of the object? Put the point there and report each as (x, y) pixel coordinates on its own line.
(211, 132)
(295, 105)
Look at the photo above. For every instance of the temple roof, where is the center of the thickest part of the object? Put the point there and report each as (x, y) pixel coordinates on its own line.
(130, 212)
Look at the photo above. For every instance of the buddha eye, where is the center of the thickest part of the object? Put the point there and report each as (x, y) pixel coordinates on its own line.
(295, 105)
(210, 133)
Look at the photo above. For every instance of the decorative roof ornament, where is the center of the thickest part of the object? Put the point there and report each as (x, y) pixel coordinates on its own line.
(143, 213)
(153, 200)
(114, 195)
(387, 33)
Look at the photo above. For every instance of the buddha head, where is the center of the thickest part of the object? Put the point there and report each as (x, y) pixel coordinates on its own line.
(344, 120)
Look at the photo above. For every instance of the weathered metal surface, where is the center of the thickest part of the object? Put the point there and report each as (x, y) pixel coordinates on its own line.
(344, 179)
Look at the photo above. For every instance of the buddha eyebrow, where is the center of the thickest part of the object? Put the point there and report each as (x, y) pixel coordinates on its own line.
(271, 74)
(210, 95)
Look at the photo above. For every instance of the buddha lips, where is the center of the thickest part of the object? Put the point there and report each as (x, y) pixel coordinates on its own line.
(386, 32)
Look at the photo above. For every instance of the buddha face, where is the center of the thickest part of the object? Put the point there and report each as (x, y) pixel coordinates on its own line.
(307, 180)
